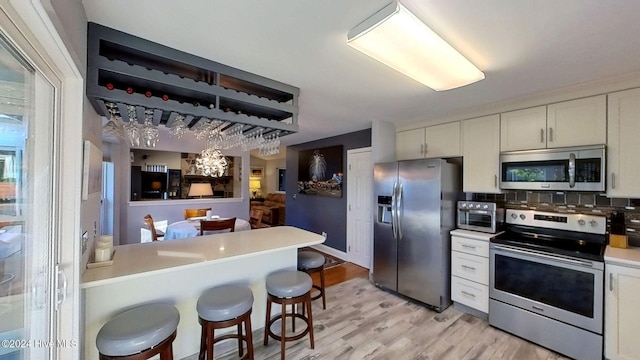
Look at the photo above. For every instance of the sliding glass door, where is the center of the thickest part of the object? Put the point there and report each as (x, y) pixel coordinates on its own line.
(27, 217)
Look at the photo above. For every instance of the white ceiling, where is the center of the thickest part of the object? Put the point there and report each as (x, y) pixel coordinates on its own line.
(524, 47)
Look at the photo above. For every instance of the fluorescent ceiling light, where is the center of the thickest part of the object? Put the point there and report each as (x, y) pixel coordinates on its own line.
(398, 39)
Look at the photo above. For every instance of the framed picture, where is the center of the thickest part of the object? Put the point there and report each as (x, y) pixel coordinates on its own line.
(257, 171)
(320, 171)
(91, 171)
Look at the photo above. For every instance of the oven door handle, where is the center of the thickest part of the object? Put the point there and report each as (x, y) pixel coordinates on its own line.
(542, 256)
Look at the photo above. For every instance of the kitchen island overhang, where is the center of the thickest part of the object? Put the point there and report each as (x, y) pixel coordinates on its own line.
(177, 272)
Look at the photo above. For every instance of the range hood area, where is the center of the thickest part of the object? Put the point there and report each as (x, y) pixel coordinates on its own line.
(126, 70)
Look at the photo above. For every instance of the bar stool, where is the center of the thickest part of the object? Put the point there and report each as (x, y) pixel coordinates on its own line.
(139, 333)
(313, 262)
(221, 307)
(288, 287)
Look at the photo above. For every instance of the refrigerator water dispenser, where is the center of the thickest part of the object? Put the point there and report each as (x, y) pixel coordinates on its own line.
(384, 209)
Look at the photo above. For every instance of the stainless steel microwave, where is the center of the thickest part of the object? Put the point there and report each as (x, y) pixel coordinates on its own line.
(566, 169)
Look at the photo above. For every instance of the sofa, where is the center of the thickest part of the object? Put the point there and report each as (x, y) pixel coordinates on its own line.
(273, 208)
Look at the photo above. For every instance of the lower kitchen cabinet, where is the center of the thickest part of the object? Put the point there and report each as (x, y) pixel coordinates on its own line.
(470, 269)
(622, 303)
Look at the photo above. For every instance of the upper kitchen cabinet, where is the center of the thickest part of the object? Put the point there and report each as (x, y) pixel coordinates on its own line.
(437, 141)
(570, 123)
(577, 122)
(623, 147)
(481, 151)
(523, 129)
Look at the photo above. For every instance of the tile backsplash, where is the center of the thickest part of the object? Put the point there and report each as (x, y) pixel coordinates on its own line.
(578, 202)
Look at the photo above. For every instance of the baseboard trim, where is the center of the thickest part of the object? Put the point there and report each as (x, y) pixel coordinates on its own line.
(331, 251)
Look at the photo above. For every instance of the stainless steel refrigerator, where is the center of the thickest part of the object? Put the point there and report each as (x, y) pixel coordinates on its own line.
(415, 212)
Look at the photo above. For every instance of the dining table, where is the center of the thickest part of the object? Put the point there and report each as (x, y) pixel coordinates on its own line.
(191, 228)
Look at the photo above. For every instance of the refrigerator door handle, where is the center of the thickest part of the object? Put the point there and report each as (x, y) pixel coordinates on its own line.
(399, 212)
(393, 211)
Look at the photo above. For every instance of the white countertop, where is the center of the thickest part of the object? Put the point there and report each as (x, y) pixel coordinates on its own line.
(135, 260)
(476, 235)
(625, 257)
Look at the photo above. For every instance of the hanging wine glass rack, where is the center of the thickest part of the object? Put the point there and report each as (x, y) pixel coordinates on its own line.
(126, 70)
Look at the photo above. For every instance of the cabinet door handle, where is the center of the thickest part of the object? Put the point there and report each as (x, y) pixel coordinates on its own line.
(468, 246)
(468, 294)
(613, 180)
(426, 148)
(421, 149)
(550, 134)
(611, 282)
(542, 135)
(468, 267)
(495, 181)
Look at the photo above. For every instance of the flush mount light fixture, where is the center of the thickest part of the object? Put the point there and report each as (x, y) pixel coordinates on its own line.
(398, 39)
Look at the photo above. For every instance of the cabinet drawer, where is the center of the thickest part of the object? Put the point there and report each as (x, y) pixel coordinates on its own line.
(470, 267)
(470, 246)
(470, 293)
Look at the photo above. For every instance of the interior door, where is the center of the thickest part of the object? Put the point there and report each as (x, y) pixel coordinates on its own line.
(360, 207)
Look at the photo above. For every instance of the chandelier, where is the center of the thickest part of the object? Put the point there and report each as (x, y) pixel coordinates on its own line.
(212, 162)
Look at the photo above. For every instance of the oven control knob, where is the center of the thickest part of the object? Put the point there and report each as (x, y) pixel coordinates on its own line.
(478, 206)
(581, 222)
(513, 215)
(593, 223)
(522, 216)
(463, 205)
(485, 206)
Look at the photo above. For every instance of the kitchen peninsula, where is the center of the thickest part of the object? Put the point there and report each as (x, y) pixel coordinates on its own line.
(177, 272)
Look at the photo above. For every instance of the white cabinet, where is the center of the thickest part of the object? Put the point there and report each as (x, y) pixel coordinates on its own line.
(470, 269)
(442, 140)
(622, 305)
(410, 144)
(570, 123)
(577, 122)
(623, 147)
(523, 129)
(436, 141)
(481, 153)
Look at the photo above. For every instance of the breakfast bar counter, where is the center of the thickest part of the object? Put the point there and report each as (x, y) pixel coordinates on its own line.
(177, 272)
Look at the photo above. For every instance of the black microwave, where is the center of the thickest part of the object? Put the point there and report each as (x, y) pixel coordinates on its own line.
(565, 169)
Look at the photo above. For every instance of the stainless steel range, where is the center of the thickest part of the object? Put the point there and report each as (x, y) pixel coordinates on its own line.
(547, 280)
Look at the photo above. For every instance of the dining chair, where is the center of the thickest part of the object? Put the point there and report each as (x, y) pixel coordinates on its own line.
(189, 213)
(213, 225)
(155, 234)
(255, 219)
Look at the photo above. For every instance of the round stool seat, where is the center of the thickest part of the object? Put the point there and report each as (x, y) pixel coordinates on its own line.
(288, 283)
(224, 302)
(309, 260)
(137, 329)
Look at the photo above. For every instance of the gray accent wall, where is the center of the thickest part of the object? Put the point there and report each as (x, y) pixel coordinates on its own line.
(321, 213)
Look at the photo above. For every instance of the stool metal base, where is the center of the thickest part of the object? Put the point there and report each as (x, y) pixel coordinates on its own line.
(306, 301)
(208, 340)
(165, 349)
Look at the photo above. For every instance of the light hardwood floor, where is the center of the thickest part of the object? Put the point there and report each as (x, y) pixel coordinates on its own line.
(364, 322)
